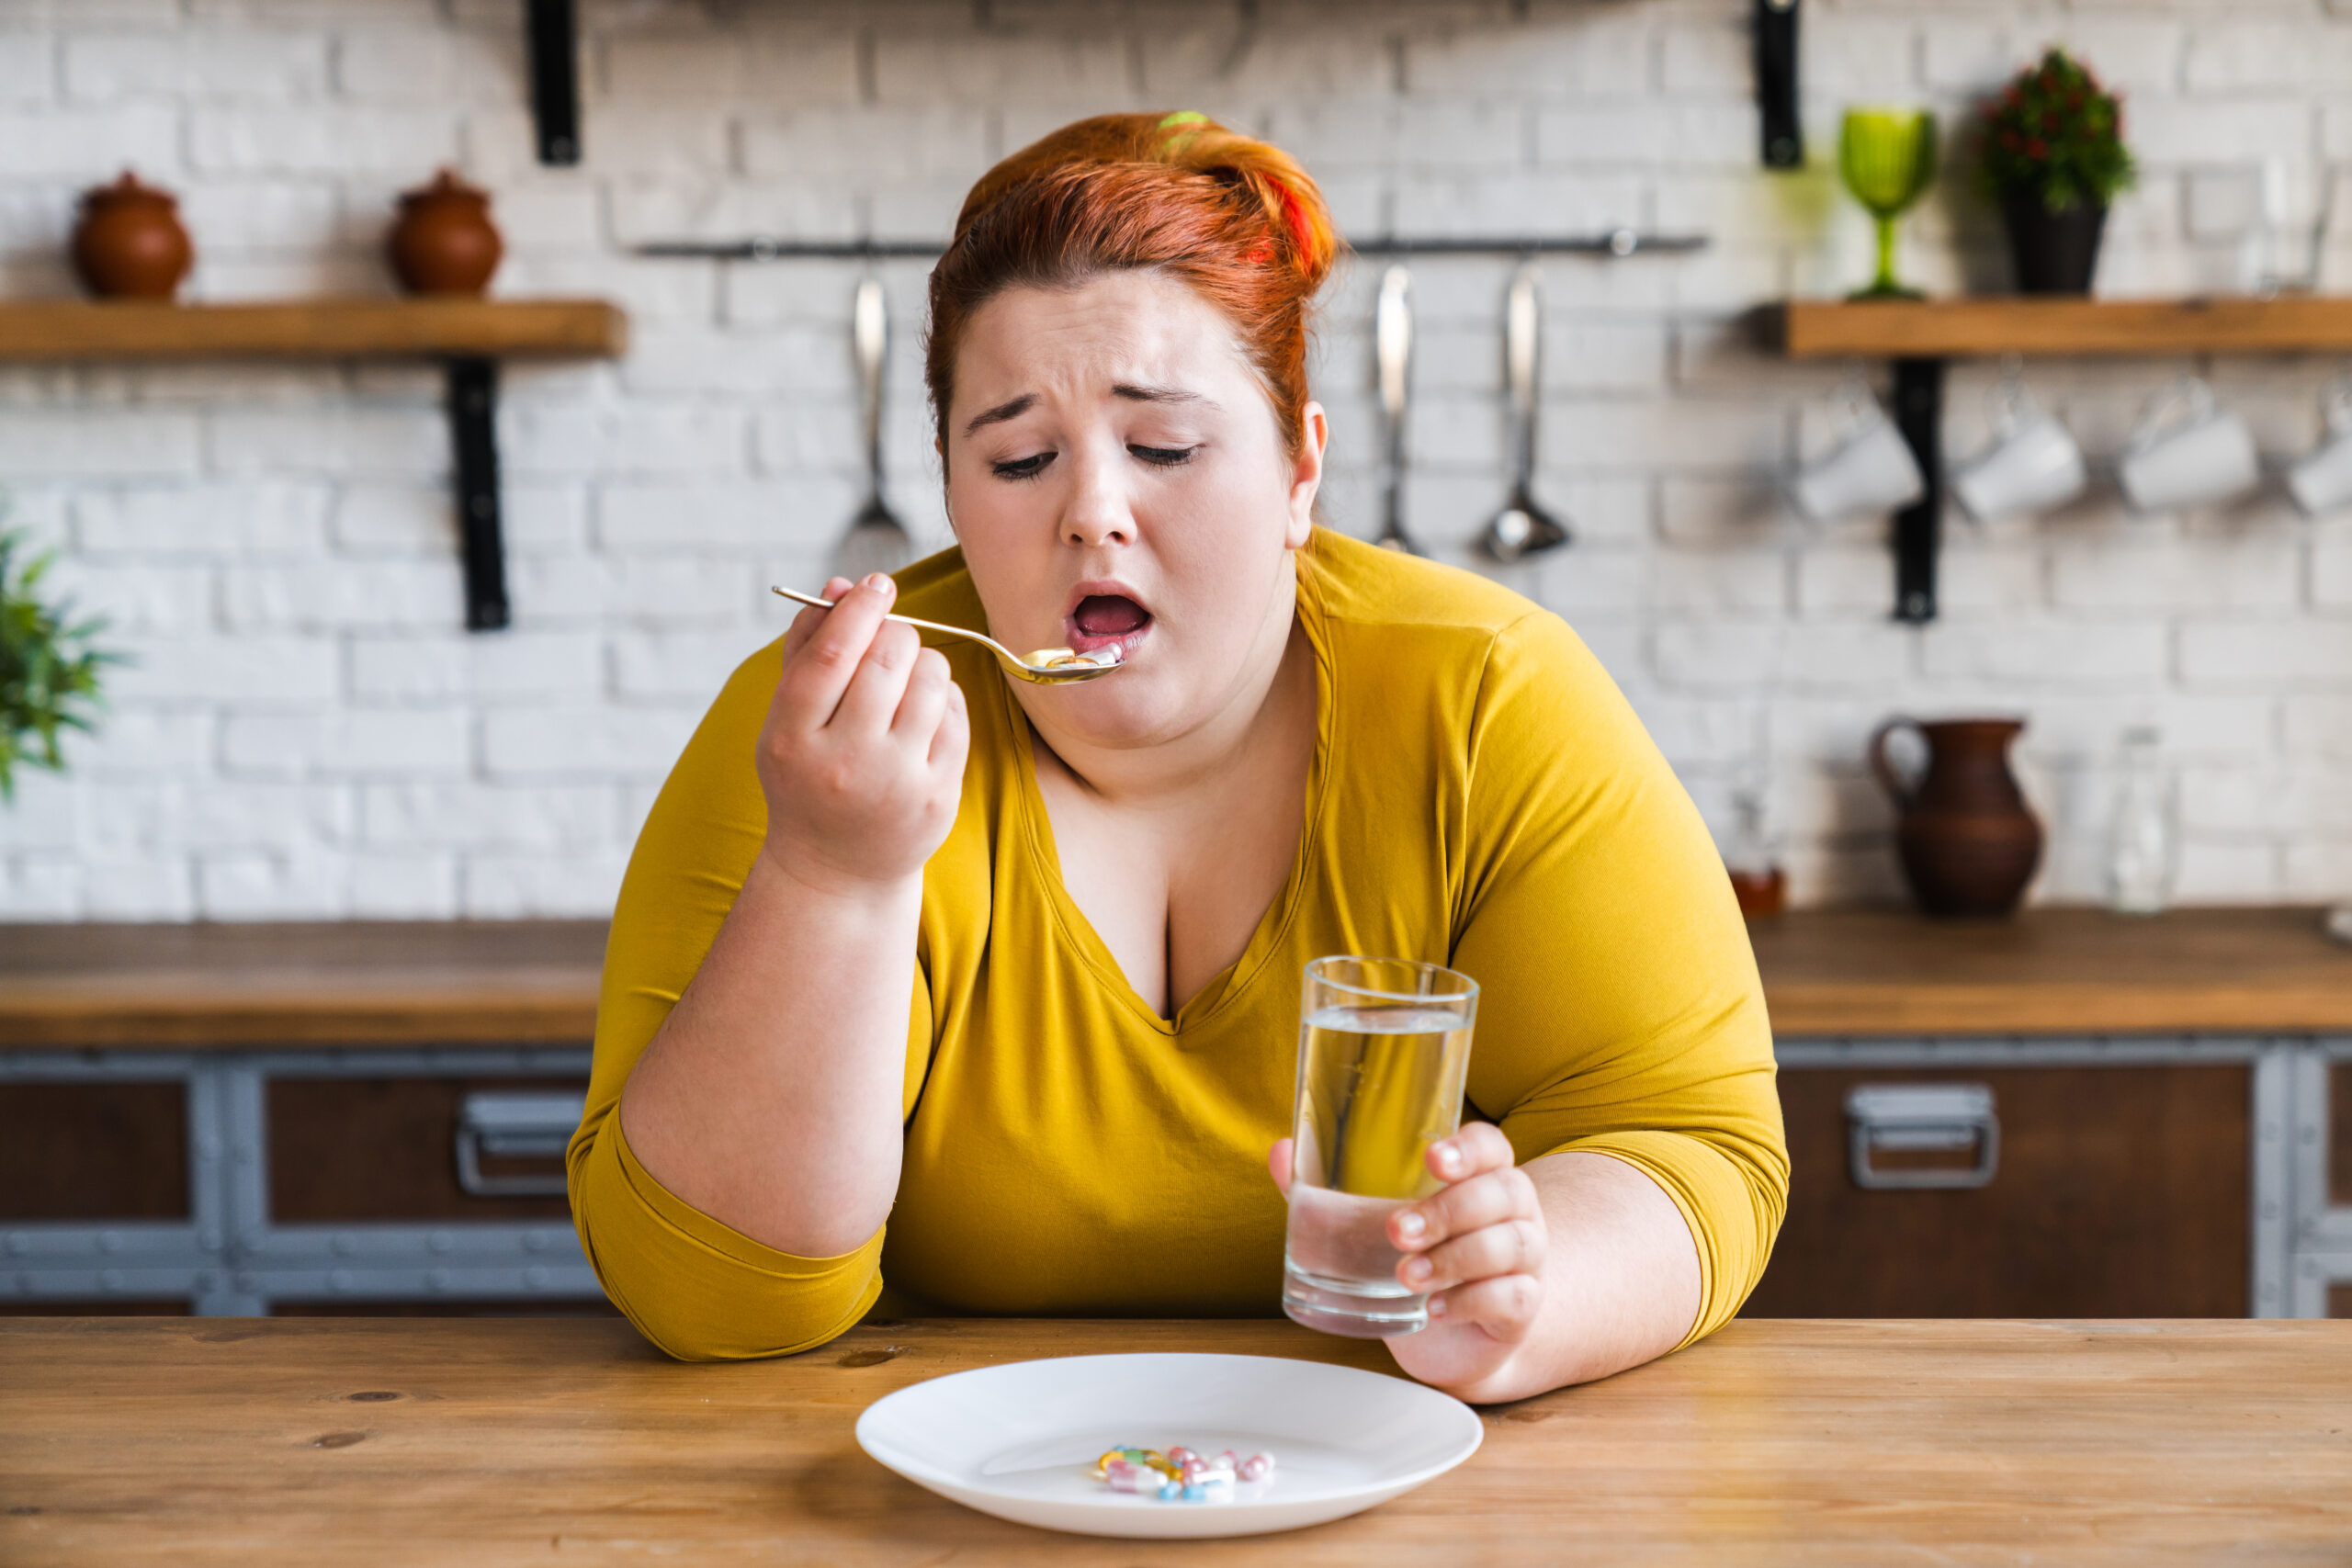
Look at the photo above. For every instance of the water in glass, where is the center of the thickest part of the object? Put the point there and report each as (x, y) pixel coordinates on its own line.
(1377, 1085)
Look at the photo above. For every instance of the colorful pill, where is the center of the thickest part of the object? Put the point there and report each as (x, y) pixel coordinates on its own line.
(1170, 1491)
(1257, 1467)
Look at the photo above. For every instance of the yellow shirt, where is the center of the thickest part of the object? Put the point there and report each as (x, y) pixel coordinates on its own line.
(1481, 796)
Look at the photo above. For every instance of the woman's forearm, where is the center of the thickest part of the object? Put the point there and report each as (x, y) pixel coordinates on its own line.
(770, 1098)
(1621, 1278)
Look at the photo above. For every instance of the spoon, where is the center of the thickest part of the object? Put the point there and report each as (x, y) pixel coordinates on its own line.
(1521, 528)
(1045, 666)
(877, 540)
(1393, 351)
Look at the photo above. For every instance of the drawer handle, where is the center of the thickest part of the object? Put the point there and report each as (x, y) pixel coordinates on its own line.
(1911, 1118)
(515, 1126)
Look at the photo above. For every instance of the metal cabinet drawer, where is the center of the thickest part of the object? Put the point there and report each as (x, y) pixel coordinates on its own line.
(2081, 1191)
(417, 1148)
(94, 1151)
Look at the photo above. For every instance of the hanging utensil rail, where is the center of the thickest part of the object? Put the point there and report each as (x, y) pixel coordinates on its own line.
(1614, 244)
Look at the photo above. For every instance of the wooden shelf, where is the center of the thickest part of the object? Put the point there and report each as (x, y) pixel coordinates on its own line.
(468, 336)
(61, 330)
(1831, 328)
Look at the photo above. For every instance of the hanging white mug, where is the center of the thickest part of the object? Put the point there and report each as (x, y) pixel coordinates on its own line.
(2188, 451)
(2323, 481)
(2032, 463)
(1869, 470)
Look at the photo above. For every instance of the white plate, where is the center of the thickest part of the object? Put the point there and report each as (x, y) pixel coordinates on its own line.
(1020, 1440)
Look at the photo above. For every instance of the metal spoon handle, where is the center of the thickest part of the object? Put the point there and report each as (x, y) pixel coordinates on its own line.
(1002, 652)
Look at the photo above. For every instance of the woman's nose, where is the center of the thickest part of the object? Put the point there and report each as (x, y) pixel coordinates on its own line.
(1098, 512)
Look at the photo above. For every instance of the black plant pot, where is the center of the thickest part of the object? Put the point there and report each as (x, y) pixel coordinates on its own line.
(2055, 252)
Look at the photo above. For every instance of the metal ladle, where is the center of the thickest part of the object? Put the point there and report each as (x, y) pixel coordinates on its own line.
(877, 540)
(1521, 528)
(1044, 666)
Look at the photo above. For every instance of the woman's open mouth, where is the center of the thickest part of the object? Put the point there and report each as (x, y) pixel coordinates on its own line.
(1108, 620)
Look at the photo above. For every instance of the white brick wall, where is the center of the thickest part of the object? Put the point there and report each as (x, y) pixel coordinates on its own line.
(307, 732)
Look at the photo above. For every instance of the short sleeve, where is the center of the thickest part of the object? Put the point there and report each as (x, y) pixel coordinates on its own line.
(696, 1287)
(1620, 1010)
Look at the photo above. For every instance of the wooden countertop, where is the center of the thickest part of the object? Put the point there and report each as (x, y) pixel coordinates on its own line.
(261, 1441)
(358, 983)
(1826, 972)
(2058, 971)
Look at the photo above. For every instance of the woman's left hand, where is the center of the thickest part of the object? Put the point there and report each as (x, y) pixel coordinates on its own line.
(1477, 1249)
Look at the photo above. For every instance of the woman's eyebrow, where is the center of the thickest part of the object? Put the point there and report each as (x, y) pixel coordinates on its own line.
(1002, 412)
(1158, 395)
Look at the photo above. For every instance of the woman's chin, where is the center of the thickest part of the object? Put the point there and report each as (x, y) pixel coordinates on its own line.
(1137, 706)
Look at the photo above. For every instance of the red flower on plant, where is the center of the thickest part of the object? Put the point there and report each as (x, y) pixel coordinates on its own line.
(2036, 147)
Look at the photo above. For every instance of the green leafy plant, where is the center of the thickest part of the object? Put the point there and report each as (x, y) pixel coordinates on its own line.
(48, 670)
(2054, 133)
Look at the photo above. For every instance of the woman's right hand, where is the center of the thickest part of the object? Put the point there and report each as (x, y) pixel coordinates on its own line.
(862, 757)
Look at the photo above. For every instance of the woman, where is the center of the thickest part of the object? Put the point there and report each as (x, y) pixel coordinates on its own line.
(1015, 967)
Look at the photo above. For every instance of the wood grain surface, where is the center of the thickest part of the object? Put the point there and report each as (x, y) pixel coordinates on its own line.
(259, 1443)
(356, 983)
(2120, 1191)
(74, 330)
(1812, 329)
(2055, 971)
(1866, 971)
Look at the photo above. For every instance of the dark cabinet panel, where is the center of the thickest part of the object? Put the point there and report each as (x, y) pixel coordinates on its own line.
(37, 1306)
(93, 1151)
(2339, 1300)
(2119, 1192)
(354, 1149)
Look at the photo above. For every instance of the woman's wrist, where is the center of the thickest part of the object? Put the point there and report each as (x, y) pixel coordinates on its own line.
(810, 877)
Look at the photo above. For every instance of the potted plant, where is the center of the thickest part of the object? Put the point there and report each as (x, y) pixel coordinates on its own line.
(48, 671)
(2054, 157)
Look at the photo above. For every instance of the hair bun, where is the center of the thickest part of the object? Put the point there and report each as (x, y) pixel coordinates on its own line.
(1270, 179)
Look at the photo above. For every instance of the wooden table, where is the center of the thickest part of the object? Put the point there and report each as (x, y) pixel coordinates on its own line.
(285, 1441)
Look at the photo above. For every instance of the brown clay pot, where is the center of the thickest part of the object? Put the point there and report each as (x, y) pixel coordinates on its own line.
(129, 243)
(444, 241)
(1968, 843)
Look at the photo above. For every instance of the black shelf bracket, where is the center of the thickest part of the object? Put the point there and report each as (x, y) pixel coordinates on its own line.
(1782, 134)
(1919, 527)
(555, 80)
(473, 443)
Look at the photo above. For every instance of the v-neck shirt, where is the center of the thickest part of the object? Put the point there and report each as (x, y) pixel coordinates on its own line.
(1481, 796)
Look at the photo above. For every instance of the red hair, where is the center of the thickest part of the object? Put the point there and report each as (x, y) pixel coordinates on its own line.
(1236, 220)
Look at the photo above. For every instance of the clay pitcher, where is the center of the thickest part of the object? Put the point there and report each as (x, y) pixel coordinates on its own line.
(1968, 844)
(444, 241)
(129, 243)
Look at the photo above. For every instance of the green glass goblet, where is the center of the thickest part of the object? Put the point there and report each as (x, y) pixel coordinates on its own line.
(1887, 156)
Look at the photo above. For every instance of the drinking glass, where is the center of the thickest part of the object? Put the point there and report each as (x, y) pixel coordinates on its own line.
(1887, 156)
(1384, 1046)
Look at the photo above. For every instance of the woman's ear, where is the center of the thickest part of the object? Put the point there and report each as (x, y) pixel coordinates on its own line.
(1306, 475)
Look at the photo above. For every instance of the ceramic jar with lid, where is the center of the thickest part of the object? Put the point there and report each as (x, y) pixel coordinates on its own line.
(129, 243)
(444, 241)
